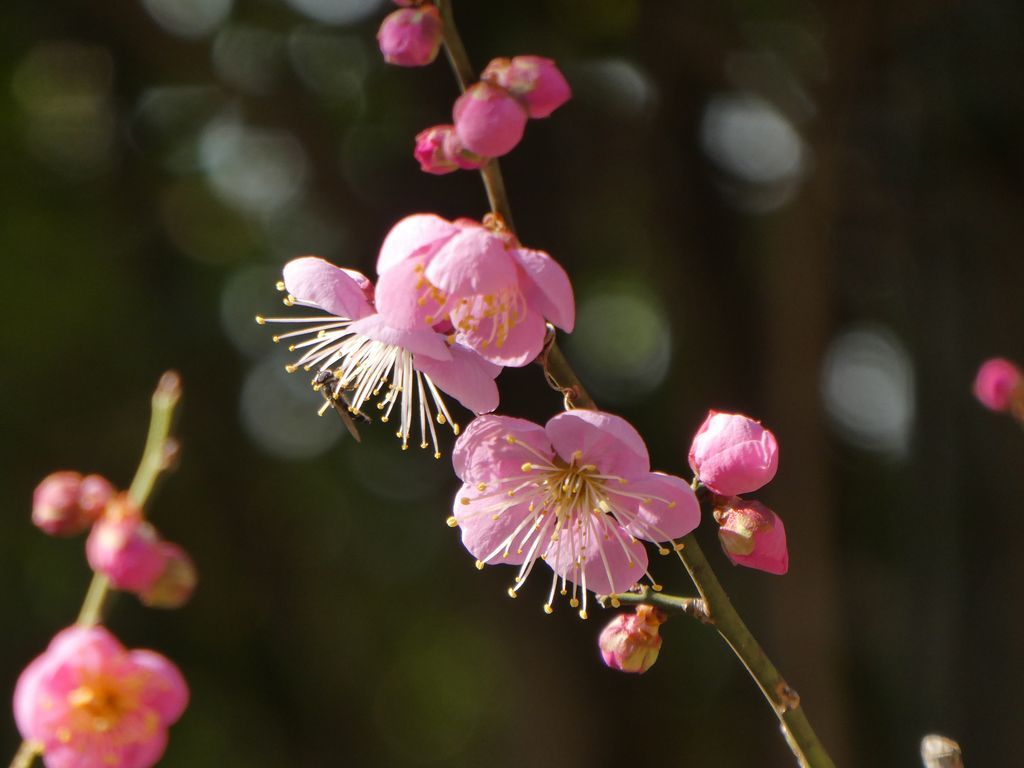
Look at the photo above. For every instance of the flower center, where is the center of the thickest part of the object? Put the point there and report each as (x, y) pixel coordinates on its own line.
(490, 317)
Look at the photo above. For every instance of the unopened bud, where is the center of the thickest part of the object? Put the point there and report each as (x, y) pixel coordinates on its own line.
(753, 536)
(125, 548)
(439, 151)
(411, 37)
(997, 381)
(65, 503)
(733, 454)
(535, 81)
(175, 585)
(631, 641)
(488, 120)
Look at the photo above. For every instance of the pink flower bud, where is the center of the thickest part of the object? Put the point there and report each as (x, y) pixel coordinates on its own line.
(175, 585)
(630, 642)
(439, 151)
(733, 454)
(411, 37)
(488, 120)
(65, 503)
(535, 81)
(752, 535)
(996, 382)
(125, 548)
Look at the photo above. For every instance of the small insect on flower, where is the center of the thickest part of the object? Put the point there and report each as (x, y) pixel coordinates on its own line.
(359, 357)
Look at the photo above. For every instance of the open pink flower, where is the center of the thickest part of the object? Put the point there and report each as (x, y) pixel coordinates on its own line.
(577, 493)
(89, 703)
(368, 357)
(496, 293)
(733, 454)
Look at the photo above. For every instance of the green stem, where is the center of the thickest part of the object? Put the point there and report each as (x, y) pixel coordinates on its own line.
(714, 605)
(157, 456)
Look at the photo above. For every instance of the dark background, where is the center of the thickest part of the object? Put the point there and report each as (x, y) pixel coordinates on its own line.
(808, 212)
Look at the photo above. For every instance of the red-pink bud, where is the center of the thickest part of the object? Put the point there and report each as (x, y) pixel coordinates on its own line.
(752, 535)
(65, 503)
(996, 382)
(733, 454)
(535, 81)
(125, 548)
(488, 120)
(175, 585)
(411, 37)
(439, 151)
(631, 642)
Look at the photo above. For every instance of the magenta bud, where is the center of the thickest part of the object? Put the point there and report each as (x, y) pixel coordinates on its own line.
(753, 536)
(439, 151)
(733, 454)
(175, 585)
(996, 382)
(537, 82)
(488, 120)
(631, 641)
(125, 548)
(65, 503)
(411, 37)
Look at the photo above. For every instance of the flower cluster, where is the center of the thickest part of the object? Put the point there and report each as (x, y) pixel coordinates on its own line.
(490, 117)
(121, 545)
(733, 454)
(453, 304)
(87, 701)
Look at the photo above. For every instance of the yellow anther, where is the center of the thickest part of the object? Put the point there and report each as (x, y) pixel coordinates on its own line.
(656, 587)
(424, 445)
(452, 522)
(616, 603)
(261, 319)
(437, 454)
(663, 550)
(510, 439)
(512, 593)
(527, 466)
(279, 285)
(481, 486)
(288, 301)
(464, 501)
(548, 609)
(291, 368)
(455, 429)
(678, 546)
(671, 505)
(574, 603)
(583, 615)
(563, 592)
(479, 565)
(440, 418)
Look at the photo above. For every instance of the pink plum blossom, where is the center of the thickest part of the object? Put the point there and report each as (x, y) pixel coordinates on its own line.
(87, 702)
(536, 82)
(577, 493)
(125, 548)
(996, 383)
(65, 503)
(496, 294)
(733, 454)
(370, 357)
(411, 37)
(489, 120)
(631, 641)
(439, 151)
(753, 536)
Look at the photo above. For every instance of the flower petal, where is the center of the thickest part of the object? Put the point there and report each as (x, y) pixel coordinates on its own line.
(164, 689)
(421, 342)
(547, 288)
(474, 261)
(607, 441)
(669, 510)
(521, 347)
(418, 235)
(611, 560)
(316, 282)
(483, 532)
(483, 453)
(403, 298)
(467, 377)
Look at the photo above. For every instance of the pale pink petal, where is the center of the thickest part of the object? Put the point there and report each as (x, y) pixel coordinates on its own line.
(612, 562)
(319, 283)
(521, 347)
(403, 297)
(474, 261)
(418, 235)
(669, 510)
(607, 441)
(547, 288)
(483, 535)
(164, 689)
(484, 454)
(425, 342)
(467, 377)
